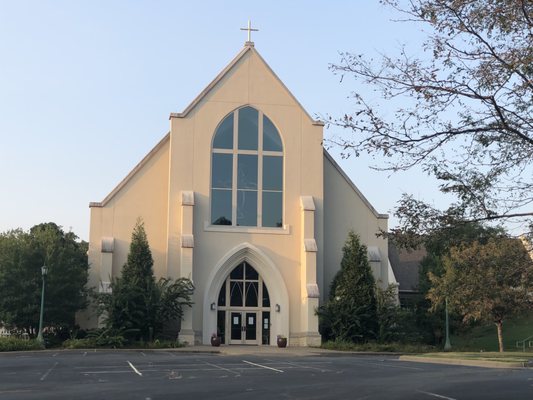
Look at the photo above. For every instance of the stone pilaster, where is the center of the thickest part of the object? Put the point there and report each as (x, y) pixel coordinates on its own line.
(186, 260)
(309, 335)
(106, 269)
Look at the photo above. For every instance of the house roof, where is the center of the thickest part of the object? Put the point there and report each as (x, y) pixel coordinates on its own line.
(248, 48)
(406, 266)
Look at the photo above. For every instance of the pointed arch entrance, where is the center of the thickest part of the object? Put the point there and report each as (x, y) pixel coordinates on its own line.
(243, 308)
(227, 284)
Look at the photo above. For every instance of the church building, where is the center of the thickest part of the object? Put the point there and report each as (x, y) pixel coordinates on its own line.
(241, 197)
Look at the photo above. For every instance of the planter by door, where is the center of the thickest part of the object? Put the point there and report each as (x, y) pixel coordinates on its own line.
(215, 341)
(282, 342)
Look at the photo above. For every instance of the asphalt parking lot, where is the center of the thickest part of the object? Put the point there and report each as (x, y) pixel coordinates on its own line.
(171, 375)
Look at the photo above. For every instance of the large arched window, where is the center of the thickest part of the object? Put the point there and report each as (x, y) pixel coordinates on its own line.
(247, 171)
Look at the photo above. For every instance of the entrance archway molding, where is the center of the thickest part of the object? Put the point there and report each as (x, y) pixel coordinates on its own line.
(271, 277)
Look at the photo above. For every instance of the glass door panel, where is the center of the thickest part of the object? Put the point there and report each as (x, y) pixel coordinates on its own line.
(251, 328)
(236, 327)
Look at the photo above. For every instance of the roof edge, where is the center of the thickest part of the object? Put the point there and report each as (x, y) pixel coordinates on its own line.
(313, 121)
(212, 84)
(248, 46)
(132, 173)
(355, 189)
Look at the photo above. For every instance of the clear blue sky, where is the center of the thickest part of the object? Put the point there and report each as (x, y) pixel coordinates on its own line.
(86, 88)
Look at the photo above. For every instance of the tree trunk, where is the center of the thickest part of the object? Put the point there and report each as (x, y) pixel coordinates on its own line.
(499, 326)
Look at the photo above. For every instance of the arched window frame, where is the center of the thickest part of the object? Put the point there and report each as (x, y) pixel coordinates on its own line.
(261, 154)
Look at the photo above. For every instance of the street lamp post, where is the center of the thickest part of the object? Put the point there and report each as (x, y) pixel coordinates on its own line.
(44, 270)
(447, 345)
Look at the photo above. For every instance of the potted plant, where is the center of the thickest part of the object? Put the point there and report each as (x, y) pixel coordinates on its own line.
(215, 340)
(282, 341)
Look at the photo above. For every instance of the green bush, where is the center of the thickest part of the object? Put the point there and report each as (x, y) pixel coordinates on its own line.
(118, 341)
(17, 344)
(350, 314)
(378, 347)
(86, 343)
(109, 337)
(165, 344)
(138, 305)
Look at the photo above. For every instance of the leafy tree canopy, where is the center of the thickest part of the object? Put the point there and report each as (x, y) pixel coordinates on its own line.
(438, 245)
(22, 254)
(463, 110)
(486, 282)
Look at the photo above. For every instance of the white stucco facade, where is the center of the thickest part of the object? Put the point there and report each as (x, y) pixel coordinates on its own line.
(171, 190)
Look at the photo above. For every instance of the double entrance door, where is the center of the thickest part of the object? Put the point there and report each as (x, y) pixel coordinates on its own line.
(243, 327)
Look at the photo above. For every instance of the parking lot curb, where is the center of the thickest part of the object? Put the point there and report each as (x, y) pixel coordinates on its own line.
(463, 362)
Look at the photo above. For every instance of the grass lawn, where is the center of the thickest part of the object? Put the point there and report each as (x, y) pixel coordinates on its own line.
(485, 338)
(487, 356)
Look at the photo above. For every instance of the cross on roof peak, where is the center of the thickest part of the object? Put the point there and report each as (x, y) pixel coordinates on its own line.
(250, 30)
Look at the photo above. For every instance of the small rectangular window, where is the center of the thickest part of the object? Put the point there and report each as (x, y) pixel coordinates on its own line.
(221, 171)
(221, 207)
(247, 171)
(265, 328)
(272, 209)
(221, 326)
(272, 173)
(246, 208)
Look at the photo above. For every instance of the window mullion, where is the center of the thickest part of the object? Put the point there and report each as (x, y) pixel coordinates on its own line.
(260, 294)
(228, 294)
(260, 170)
(234, 172)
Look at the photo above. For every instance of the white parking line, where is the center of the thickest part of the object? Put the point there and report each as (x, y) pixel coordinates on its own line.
(436, 395)
(224, 369)
(134, 369)
(262, 366)
(305, 366)
(105, 372)
(47, 372)
(387, 365)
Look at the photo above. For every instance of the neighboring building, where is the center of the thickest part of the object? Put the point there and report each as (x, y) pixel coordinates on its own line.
(406, 267)
(241, 197)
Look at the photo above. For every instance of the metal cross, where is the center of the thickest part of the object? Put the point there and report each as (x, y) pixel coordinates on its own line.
(249, 29)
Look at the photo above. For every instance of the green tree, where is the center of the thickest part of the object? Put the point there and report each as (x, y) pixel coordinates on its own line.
(396, 324)
(350, 313)
(461, 110)
(139, 306)
(486, 282)
(437, 244)
(22, 254)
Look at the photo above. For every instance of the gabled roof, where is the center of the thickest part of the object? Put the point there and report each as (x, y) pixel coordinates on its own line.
(248, 48)
(355, 188)
(132, 173)
(406, 266)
